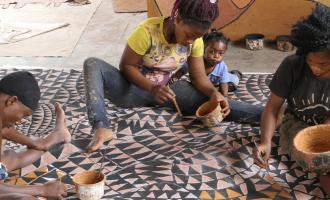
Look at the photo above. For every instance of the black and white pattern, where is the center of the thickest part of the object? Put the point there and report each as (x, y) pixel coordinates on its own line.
(160, 155)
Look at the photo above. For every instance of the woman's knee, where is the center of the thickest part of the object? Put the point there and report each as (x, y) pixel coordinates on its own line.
(93, 70)
(97, 67)
(90, 63)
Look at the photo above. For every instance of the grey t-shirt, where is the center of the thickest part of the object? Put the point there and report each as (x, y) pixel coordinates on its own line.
(307, 95)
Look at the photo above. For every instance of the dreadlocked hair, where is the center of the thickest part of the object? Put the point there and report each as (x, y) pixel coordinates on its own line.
(313, 34)
(216, 36)
(200, 13)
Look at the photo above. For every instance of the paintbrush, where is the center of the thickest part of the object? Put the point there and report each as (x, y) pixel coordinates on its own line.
(259, 156)
(60, 175)
(175, 103)
(102, 163)
(102, 160)
(267, 176)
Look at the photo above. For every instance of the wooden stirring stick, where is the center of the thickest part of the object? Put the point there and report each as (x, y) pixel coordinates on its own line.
(175, 103)
(102, 163)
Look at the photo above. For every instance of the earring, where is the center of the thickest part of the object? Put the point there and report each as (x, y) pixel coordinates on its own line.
(176, 13)
(175, 16)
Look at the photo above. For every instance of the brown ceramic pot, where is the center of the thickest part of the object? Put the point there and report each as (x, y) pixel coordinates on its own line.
(312, 148)
(210, 114)
(89, 185)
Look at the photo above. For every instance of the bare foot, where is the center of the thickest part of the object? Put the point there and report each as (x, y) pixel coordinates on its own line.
(60, 133)
(60, 125)
(101, 135)
(325, 183)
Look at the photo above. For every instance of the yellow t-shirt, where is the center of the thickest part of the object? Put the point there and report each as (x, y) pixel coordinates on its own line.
(160, 59)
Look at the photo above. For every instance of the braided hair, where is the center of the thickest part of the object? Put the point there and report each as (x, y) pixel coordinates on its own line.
(215, 36)
(200, 13)
(313, 34)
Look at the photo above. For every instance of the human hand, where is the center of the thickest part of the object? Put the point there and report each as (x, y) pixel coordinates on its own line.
(216, 98)
(54, 190)
(162, 93)
(261, 155)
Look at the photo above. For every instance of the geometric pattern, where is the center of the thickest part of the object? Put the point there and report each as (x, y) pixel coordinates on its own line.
(159, 155)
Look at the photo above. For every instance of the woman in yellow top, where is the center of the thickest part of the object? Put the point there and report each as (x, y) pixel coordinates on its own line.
(154, 53)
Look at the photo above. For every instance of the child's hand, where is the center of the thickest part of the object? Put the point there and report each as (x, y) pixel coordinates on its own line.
(162, 93)
(216, 97)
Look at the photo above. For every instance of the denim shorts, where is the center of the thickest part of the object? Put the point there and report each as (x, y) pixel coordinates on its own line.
(3, 172)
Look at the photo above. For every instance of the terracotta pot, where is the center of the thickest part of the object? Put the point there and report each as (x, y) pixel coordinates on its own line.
(312, 148)
(254, 41)
(283, 43)
(89, 185)
(210, 114)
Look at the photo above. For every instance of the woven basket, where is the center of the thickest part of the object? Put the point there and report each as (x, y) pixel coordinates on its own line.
(311, 148)
(210, 114)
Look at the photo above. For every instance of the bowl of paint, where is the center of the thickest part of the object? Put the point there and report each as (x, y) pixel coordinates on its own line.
(210, 114)
(311, 148)
(89, 185)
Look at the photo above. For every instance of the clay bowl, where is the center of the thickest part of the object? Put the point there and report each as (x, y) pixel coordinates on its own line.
(210, 114)
(254, 41)
(283, 43)
(89, 185)
(312, 148)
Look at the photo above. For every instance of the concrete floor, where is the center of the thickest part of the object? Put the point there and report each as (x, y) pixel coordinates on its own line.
(105, 38)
